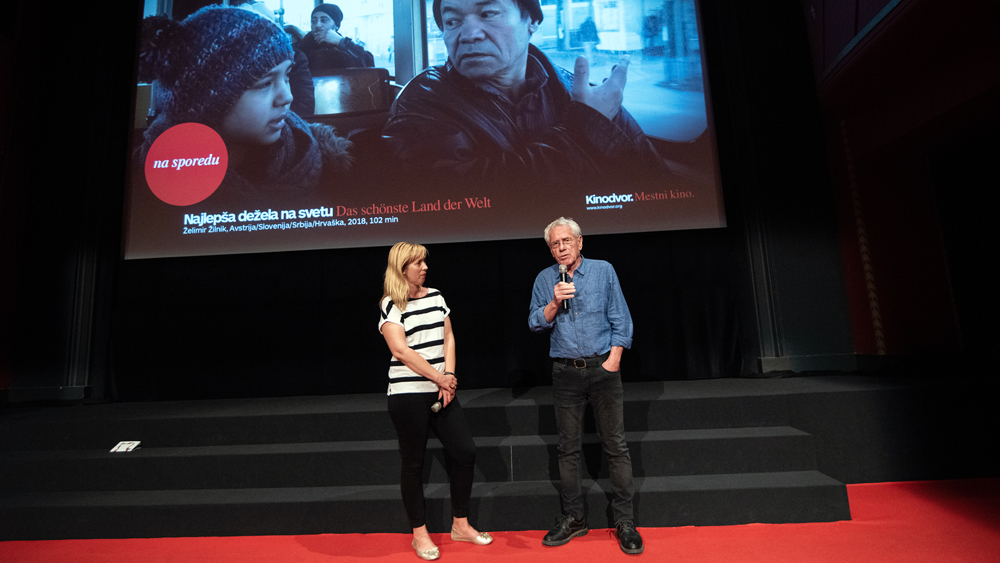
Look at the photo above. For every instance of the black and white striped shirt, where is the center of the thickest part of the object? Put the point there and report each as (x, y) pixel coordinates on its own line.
(423, 322)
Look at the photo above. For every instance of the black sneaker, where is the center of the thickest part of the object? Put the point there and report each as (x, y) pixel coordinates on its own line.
(566, 528)
(628, 537)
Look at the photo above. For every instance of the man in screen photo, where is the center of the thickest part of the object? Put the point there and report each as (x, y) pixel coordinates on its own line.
(500, 114)
(326, 48)
(589, 326)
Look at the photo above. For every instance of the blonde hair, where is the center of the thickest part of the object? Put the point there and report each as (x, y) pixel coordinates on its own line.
(394, 285)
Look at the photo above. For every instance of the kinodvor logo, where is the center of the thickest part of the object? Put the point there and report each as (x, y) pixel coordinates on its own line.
(613, 198)
(186, 164)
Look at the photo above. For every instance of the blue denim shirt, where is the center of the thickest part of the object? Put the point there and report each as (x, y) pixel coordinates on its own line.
(598, 316)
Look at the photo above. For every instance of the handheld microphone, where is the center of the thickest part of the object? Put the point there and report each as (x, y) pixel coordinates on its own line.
(437, 406)
(563, 278)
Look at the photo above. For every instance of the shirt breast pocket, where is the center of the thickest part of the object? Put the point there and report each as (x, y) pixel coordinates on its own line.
(589, 314)
(591, 306)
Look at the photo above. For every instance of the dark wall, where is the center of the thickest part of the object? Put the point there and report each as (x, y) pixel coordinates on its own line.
(706, 303)
(779, 198)
(7, 245)
(964, 170)
(911, 112)
(306, 322)
(66, 106)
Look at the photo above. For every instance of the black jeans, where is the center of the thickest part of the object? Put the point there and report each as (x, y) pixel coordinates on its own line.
(411, 414)
(572, 389)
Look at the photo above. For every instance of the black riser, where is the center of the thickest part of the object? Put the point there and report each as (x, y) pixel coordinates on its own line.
(322, 465)
(641, 414)
(717, 500)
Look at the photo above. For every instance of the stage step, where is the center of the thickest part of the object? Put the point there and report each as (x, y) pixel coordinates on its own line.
(780, 497)
(703, 453)
(318, 464)
(283, 420)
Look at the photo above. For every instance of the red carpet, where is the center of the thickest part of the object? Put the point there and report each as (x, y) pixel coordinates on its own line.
(928, 521)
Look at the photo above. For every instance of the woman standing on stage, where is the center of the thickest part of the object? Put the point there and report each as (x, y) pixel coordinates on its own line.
(422, 386)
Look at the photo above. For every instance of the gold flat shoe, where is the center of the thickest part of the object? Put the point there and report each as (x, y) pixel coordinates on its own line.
(482, 539)
(429, 555)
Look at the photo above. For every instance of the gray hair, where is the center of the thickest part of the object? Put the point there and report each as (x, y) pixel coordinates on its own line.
(562, 222)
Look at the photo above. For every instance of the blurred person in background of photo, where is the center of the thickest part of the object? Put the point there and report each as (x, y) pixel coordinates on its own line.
(326, 48)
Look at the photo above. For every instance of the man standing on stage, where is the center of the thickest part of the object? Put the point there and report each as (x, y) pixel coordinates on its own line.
(589, 325)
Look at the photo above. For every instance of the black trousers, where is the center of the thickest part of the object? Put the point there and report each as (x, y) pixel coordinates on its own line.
(411, 415)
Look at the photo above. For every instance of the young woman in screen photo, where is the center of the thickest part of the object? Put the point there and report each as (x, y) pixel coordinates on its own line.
(422, 386)
(228, 68)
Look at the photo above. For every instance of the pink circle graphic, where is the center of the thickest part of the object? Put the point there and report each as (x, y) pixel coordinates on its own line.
(186, 164)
